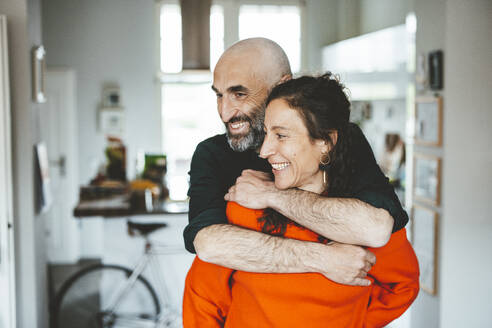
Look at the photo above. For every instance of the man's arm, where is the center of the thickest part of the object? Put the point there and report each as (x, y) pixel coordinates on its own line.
(242, 249)
(345, 220)
(206, 192)
(209, 236)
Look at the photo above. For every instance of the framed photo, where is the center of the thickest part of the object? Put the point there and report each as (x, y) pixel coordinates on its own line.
(111, 97)
(436, 69)
(427, 178)
(112, 121)
(44, 196)
(428, 121)
(424, 240)
(38, 74)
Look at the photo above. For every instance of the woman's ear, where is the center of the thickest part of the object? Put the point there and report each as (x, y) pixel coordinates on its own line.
(324, 146)
(334, 137)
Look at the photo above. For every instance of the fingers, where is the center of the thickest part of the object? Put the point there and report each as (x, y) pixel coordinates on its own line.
(245, 179)
(367, 267)
(361, 282)
(257, 174)
(250, 178)
(363, 272)
(230, 194)
(370, 257)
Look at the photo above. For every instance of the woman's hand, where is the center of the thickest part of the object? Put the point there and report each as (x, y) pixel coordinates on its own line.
(342, 263)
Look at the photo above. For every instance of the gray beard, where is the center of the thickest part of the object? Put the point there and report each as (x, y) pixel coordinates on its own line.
(254, 138)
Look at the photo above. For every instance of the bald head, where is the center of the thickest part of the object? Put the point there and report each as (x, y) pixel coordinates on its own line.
(243, 78)
(264, 57)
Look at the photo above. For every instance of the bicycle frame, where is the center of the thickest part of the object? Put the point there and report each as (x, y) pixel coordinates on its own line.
(150, 257)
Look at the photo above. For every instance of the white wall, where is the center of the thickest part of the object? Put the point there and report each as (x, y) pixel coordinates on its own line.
(348, 20)
(430, 36)
(462, 30)
(108, 41)
(330, 21)
(320, 29)
(376, 15)
(466, 264)
(40, 259)
(24, 31)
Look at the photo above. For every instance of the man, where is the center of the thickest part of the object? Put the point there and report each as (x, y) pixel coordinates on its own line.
(243, 77)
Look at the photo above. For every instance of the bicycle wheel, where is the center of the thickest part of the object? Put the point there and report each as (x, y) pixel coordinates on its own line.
(83, 299)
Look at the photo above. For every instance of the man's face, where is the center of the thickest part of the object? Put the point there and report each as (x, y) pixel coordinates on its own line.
(241, 96)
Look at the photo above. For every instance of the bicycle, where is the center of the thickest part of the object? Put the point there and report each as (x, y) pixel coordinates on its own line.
(107, 295)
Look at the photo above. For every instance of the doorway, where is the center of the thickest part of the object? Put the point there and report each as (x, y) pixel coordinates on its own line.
(59, 133)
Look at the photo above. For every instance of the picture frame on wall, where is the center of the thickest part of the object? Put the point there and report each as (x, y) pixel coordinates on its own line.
(427, 178)
(38, 74)
(424, 240)
(44, 197)
(111, 97)
(428, 121)
(112, 121)
(436, 69)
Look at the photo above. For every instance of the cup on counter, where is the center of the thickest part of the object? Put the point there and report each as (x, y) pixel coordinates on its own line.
(142, 200)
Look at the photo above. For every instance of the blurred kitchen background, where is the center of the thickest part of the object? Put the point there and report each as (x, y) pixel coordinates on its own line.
(140, 72)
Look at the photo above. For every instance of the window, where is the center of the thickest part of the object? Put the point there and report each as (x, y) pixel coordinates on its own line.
(216, 34)
(284, 27)
(170, 38)
(188, 106)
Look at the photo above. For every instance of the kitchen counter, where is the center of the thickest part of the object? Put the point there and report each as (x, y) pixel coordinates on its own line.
(118, 206)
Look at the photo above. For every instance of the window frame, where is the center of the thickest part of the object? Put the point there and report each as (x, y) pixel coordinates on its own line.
(231, 31)
(231, 35)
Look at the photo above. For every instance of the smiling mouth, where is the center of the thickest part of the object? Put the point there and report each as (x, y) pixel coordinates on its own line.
(238, 127)
(280, 166)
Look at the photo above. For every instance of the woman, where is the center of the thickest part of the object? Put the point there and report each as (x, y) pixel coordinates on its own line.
(308, 135)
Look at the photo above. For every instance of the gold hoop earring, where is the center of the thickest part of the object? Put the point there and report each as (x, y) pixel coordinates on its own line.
(323, 165)
(327, 159)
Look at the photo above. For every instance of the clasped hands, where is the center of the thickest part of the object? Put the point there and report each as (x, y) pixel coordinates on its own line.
(341, 263)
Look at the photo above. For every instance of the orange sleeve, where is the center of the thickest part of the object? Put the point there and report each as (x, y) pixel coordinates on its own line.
(207, 295)
(396, 280)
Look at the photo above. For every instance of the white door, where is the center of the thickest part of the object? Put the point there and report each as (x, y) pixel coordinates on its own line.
(7, 282)
(59, 132)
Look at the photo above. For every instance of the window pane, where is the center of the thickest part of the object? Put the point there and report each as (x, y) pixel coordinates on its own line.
(171, 44)
(284, 27)
(216, 34)
(189, 113)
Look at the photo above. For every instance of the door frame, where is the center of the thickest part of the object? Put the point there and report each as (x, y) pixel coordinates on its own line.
(7, 263)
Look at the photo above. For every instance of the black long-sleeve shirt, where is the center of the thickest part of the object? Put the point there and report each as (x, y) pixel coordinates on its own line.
(215, 168)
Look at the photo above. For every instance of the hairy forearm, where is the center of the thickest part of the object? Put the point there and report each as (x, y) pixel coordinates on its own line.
(247, 250)
(345, 220)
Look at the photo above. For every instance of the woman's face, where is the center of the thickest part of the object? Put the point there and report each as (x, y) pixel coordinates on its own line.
(287, 147)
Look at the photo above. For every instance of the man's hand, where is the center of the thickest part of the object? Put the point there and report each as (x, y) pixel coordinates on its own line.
(252, 190)
(343, 263)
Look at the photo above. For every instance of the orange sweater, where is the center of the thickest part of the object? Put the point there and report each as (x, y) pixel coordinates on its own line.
(220, 297)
